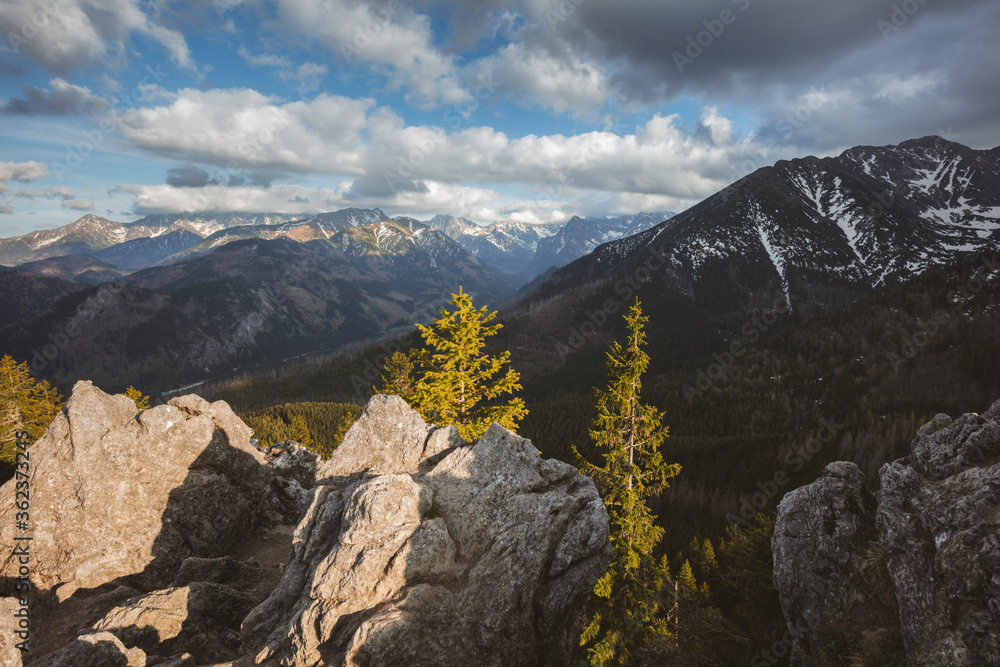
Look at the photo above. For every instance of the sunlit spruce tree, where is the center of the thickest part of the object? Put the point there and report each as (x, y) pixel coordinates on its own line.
(624, 613)
(25, 405)
(456, 382)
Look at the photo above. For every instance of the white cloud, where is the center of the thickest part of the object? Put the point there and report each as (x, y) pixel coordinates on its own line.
(240, 128)
(78, 205)
(22, 172)
(331, 135)
(76, 34)
(308, 74)
(57, 192)
(264, 59)
(392, 37)
(539, 79)
(299, 199)
(61, 98)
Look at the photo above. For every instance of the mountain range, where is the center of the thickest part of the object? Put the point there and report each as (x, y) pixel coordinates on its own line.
(200, 295)
(519, 249)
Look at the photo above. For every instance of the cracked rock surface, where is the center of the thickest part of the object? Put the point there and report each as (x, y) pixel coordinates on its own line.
(935, 520)
(419, 548)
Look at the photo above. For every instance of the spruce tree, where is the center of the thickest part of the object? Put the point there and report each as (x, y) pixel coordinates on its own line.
(25, 405)
(456, 383)
(625, 613)
(397, 377)
(141, 402)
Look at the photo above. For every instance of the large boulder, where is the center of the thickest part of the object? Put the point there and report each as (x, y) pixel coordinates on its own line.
(939, 523)
(421, 549)
(936, 537)
(819, 538)
(116, 492)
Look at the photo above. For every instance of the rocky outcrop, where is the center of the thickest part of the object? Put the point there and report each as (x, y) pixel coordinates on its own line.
(126, 503)
(116, 492)
(156, 540)
(420, 549)
(933, 527)
(819, 537)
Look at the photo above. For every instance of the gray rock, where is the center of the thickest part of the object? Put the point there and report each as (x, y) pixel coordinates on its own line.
(937, 522)
(819, 535)
(418, 549)
(10, 655)
(290, 459)
(293, 469)
(117, 492)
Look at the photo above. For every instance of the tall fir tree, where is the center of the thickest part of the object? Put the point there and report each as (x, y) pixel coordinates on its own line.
(625, 613)
(25, 405)
(456, 384)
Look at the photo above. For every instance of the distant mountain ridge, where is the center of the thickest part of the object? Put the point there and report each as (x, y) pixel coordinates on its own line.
(811, 228)
(515, 248)
(252, 301)
(524, 248)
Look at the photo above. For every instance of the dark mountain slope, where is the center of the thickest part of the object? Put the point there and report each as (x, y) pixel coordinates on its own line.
(25, 294)
(81, 268)
(250, 303)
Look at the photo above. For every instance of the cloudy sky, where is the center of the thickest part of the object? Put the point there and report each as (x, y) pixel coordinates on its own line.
(525, 109)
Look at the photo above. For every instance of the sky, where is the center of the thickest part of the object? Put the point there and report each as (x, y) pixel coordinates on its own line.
(532, 110)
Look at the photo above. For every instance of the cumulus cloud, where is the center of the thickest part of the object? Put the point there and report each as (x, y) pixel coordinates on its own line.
(767, 58)
(538, 78)
(60, 99)
(22, 172)
(75, 34)
(78, 205)
(296, 199)
(243, 129)
(389, 36)
(351, 138)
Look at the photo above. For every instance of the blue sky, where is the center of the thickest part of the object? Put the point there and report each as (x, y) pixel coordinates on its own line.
(527, 109)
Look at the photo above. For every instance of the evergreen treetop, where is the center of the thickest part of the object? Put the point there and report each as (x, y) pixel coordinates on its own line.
(456, 383)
